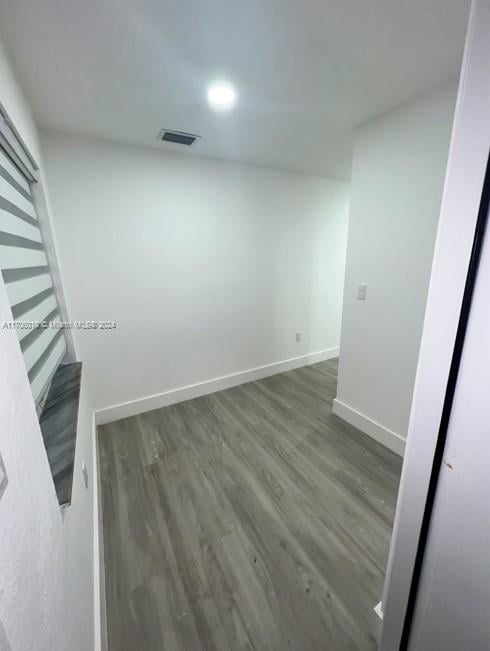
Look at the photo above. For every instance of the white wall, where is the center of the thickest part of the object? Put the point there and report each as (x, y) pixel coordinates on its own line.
(46, 556)
(456, 572)
(209, 268)
(397, 180)
(455, 585)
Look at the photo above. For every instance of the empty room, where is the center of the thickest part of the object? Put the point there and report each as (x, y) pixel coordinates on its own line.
(240, 248)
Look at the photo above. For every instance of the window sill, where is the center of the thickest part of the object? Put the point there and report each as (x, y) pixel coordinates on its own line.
(58, 422)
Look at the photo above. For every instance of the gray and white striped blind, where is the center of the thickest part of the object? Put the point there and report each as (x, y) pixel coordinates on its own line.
(27, 278)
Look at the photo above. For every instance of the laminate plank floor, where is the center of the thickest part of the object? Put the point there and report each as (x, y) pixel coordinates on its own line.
(252, 518)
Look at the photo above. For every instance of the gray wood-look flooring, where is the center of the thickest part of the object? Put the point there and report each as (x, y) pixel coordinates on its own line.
(252, 518)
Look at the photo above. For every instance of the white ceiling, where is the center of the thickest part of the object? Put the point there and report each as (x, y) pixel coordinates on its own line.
(307, 71)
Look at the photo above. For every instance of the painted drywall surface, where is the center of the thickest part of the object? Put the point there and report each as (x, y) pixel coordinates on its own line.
(458, 588)
(454, 588)
(208, 267)
(46, 566)
(398, 174)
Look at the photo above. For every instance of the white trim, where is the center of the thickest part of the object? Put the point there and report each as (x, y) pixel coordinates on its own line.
(100, 637)
(140, 405)
(96, 540)
(391, 440)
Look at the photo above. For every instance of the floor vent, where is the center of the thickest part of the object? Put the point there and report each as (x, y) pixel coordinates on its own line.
(178, 137)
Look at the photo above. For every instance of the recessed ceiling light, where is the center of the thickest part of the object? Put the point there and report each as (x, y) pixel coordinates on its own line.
(221, 96)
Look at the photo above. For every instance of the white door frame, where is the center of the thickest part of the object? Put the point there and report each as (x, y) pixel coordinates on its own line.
(469, 150)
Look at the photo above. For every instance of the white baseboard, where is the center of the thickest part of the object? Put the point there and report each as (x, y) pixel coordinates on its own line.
(96, 540)
(140, 405)
(372, 428)
(100, 621)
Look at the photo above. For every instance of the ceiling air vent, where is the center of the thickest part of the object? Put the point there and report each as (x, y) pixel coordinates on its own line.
(178, 137)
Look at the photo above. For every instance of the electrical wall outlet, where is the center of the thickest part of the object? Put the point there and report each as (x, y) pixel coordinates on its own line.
(361, 292)
(298, 336)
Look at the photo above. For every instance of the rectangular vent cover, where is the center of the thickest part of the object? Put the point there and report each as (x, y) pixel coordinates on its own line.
(178, 137)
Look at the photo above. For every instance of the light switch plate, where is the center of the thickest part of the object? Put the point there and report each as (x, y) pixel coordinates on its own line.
(361, 292)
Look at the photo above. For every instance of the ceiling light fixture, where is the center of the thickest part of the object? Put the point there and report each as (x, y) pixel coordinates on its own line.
(221, 96)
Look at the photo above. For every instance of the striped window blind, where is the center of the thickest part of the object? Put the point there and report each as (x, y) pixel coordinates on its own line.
(27, 278)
